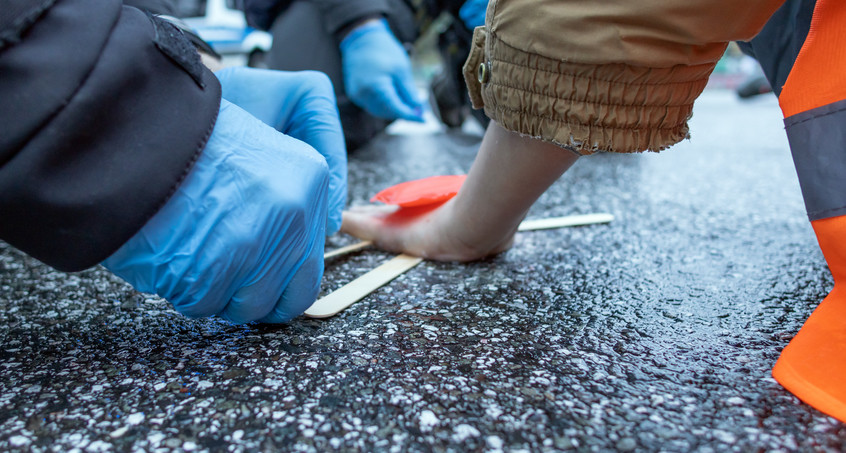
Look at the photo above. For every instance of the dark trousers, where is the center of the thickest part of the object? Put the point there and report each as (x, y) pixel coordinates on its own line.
(300, 42)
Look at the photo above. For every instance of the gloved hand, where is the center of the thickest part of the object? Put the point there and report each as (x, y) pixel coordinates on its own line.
(299, 104)
(377, 73)
(472, 13)
(242, 236)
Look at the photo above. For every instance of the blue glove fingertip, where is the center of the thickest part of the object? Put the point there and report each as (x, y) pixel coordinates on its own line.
(419, 112)
(472, 13)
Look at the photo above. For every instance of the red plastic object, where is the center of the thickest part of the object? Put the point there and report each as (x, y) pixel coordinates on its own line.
(421, 192)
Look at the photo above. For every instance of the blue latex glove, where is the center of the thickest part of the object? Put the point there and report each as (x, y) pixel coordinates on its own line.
(377, 73)
(299, 104)
(242, 236)
(472, 13)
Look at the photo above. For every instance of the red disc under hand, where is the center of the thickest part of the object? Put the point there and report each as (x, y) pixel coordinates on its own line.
(421, 192)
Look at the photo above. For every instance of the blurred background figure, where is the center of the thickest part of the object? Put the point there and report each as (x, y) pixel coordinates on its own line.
(363, 46)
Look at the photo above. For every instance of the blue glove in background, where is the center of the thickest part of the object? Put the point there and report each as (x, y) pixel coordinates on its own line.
(299, 104)
(377, 73)
(472, 13)
(242, 236)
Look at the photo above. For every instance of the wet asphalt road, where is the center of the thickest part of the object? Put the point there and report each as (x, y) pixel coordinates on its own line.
(655, 332)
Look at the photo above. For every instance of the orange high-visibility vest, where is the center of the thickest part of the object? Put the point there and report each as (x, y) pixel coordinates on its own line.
(813, 100)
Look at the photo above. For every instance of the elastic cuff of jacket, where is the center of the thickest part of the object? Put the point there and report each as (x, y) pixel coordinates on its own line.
(582, 107)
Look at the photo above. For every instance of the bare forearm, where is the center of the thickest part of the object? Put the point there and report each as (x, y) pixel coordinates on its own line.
(510, 173)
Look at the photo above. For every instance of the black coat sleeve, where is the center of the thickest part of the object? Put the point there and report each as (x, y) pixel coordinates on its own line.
(336, 13)
(167, 7)
(104, 111)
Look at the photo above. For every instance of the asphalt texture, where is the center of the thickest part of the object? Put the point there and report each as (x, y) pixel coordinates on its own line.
(656, 332)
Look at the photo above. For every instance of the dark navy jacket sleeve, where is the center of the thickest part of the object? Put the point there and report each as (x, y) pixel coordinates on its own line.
(336, 13)
(104, 110)
(167, 7)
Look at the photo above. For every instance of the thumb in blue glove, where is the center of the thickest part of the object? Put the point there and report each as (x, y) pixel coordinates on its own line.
(299, 104)
(242, 236)
(472, 13)
(377, 73)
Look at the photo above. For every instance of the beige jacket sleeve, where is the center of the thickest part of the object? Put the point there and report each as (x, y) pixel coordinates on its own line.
(603, 75)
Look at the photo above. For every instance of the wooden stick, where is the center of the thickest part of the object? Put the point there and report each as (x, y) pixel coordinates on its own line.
(352, 292)
(566, 221)
(357, 289)
(527, 225)
(346, 249)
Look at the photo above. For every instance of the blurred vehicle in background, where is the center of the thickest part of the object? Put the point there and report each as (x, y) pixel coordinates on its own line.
(222, 24)
(753, 86)
(755, 82)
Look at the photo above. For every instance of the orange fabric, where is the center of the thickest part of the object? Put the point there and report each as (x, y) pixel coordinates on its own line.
(813, 365)
(421, 192)
(818, 76)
